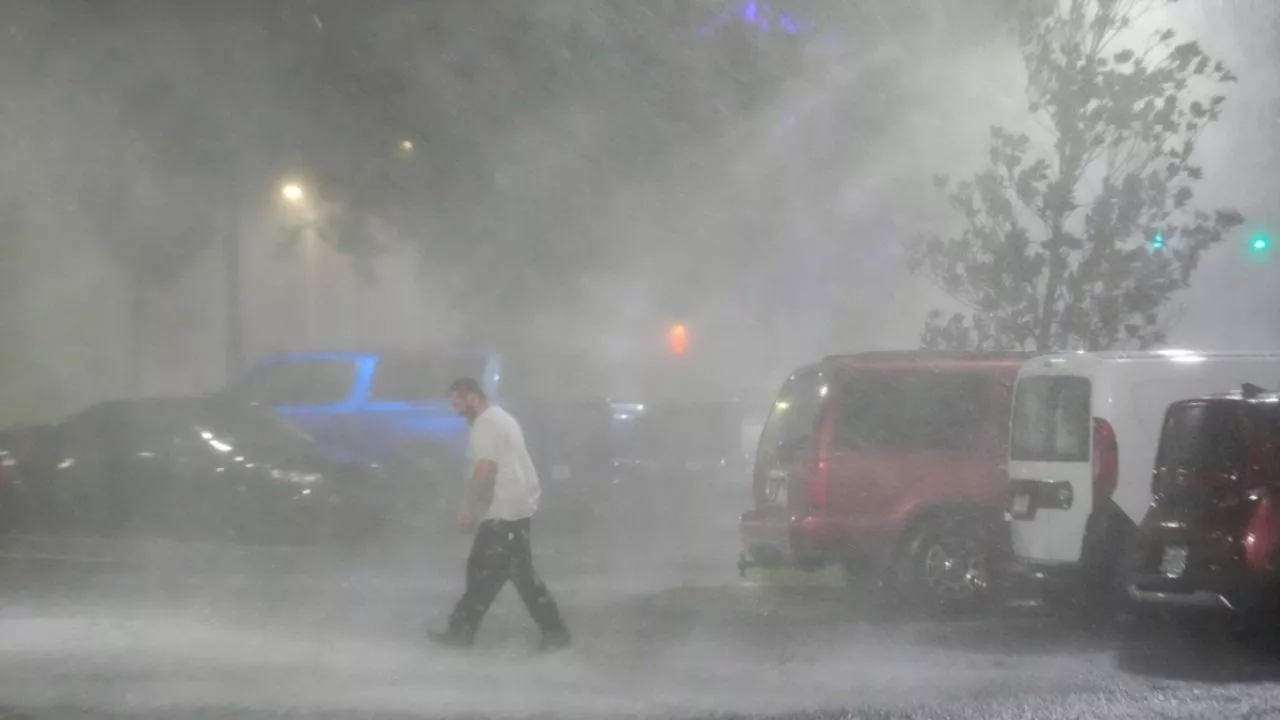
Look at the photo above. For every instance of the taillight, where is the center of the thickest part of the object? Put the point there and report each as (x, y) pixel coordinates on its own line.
(819, 484)
(1106, 462)
(759, 482)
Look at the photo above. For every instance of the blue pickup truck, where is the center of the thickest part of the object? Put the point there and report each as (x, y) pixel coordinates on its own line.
(391, 408)
(385, 407)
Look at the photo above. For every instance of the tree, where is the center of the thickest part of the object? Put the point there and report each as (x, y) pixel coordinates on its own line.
(1058, 247)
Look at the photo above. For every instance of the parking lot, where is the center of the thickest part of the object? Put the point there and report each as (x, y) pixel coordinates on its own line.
(664, 630)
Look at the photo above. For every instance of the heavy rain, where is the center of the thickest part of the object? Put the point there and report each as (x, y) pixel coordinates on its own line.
(800, 358)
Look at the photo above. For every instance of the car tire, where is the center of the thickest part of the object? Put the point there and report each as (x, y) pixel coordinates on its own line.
(948, 565)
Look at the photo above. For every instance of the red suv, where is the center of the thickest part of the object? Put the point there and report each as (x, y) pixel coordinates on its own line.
(893, 463)
(1211, 538)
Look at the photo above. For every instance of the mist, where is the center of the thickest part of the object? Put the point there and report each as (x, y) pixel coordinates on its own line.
(515, 190)
(708, 234)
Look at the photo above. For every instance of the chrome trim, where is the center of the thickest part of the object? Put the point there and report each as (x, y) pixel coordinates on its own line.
(1198, 599)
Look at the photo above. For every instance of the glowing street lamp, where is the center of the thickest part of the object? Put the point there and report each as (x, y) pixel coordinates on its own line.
(406, 146)
(292, 192)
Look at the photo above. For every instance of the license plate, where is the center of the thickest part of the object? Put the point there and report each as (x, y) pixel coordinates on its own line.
(561, 472)
(1174, 562)
(1021, 503)
(777, 493)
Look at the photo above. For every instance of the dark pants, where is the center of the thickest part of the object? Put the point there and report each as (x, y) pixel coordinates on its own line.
(502, 551)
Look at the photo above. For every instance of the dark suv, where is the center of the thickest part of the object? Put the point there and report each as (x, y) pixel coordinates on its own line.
(1211, 537)
(892, 463)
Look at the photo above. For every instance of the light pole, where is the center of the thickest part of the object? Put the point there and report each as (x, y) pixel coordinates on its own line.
(232, 291)
(296, 195)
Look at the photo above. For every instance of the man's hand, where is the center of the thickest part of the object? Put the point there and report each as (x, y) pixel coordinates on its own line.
(466, 520)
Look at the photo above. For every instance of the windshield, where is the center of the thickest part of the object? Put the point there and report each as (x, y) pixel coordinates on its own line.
(256, 425)
(297, 383)
(1051, 419)
(907, 411)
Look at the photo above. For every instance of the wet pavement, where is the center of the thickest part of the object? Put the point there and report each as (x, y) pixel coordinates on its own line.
(668, 632)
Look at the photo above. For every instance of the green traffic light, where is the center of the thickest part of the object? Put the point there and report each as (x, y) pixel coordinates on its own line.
(1157, 243)
(1260, 242)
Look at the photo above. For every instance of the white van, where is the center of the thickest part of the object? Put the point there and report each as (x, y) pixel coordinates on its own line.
(1084, 430)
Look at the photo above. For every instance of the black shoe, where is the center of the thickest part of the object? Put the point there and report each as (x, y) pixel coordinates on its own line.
(450, 639)
(553, 643)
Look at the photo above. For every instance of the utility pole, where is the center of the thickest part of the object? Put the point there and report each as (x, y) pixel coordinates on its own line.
(232, 287)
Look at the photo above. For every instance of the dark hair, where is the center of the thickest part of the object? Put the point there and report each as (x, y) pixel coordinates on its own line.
(465, 386)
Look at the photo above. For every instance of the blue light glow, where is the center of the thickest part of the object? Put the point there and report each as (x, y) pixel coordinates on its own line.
(760, 15)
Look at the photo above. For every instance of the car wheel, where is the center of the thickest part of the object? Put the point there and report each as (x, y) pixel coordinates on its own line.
(948, 566)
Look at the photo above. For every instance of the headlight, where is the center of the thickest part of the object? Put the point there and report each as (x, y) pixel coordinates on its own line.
(297, 478)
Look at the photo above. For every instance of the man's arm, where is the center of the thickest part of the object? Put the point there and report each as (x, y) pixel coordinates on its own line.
(480, 496)
(484, 450)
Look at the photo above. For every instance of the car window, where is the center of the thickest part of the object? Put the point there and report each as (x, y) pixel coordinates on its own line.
(423, 378)
(1203, 437)
(1052, 419)
(912, 410)
(795, 411)
(298, 383)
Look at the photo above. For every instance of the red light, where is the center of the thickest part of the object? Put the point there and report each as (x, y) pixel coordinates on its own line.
(678, 339)
(1106, 462)
(819, 486)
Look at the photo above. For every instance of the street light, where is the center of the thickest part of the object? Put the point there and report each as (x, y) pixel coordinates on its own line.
(406, 147)
(292, 192)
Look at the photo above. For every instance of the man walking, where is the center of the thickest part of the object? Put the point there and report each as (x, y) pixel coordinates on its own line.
(503, 496)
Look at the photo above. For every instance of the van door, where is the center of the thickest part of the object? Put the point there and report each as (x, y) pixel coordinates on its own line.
(1050, 466)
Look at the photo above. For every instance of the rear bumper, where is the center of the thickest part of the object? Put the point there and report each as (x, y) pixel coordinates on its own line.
(1195, 600)
(778, 541)
(1211, 573)
(1239, 595)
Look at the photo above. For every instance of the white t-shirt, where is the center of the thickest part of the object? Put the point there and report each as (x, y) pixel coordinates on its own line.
(496, 436)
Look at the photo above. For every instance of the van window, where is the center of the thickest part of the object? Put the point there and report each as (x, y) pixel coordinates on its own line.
(795, 412)
(913, 411)
(1052, 419)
